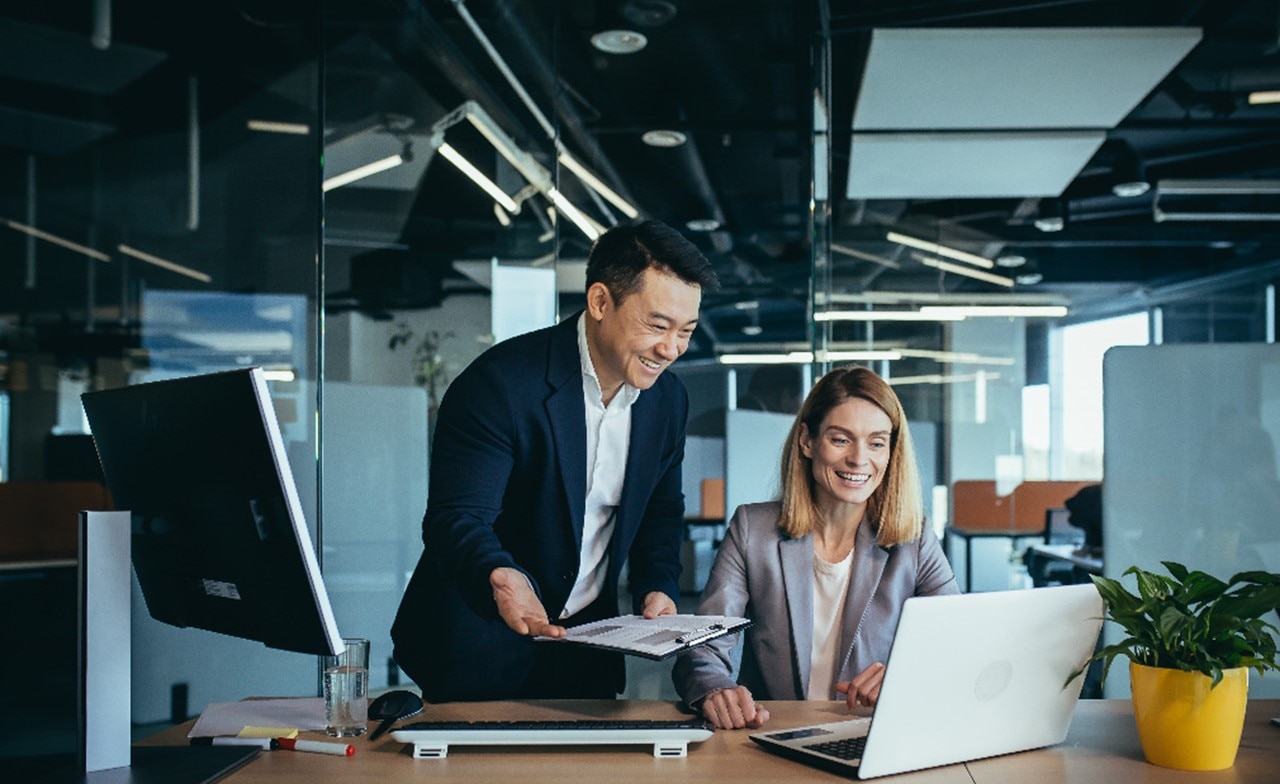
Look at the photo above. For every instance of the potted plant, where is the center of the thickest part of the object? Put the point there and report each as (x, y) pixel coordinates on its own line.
(1191, 639)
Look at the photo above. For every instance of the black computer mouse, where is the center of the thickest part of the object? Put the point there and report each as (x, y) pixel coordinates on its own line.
(391, 707)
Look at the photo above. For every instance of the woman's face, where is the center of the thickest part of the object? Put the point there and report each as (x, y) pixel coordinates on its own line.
(850, 453)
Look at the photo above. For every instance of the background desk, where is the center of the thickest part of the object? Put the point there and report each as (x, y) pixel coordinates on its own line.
(1102, 747)
(1039, 559)
(969, 534)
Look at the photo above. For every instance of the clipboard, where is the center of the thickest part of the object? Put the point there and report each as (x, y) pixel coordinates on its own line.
(656, 639)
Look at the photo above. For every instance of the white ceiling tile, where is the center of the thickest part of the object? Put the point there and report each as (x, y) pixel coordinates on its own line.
(1012, 164)
(931, 79)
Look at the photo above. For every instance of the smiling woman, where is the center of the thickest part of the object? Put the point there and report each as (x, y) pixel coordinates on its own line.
(848, 528)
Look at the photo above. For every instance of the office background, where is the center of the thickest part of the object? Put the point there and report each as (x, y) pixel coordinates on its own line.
(281, 183)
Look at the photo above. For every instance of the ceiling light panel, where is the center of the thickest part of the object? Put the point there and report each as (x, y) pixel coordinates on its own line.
(1011, 78)
(1019, 164)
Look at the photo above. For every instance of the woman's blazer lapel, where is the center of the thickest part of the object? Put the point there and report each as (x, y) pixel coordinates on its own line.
(796, 556)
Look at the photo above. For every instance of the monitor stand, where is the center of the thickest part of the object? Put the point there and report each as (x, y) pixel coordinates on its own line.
(104, 693)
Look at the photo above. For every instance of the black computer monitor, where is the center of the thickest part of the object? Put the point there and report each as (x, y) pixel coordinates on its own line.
(218, 536)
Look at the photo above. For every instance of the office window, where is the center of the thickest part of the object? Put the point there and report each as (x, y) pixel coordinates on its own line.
(1076, 399)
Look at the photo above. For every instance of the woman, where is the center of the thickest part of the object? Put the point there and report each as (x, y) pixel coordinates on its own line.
(824, 571)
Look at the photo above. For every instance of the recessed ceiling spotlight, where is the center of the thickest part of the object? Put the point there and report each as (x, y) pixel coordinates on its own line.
(702, 224)
(647, 13)
(664, 138)
(619, 41)
(1053, 215)
(1028, 278)
(1129, 190)
(1010, 260)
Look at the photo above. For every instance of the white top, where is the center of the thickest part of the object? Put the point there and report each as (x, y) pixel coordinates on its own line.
(608, 440)
(830, 587)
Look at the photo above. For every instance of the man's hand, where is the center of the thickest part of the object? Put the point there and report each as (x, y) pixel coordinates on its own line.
(733, 709)
(658, 603)
(519, 606)
(864, 688)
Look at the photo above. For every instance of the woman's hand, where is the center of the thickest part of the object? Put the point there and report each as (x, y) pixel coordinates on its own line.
(733, 709)
(864, 688)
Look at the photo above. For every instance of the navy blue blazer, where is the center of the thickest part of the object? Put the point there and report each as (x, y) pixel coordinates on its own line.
(508, 488)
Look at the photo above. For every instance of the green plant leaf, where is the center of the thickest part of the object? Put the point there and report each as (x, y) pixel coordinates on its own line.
(1191, 620)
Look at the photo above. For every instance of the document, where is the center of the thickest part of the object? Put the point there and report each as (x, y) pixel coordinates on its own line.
(230, 718)
(658, 638)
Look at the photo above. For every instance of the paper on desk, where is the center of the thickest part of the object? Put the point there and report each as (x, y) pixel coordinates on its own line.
(228, 718)
(653, 638)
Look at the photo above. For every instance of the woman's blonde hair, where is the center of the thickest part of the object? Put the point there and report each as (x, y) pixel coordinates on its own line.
(896, 508)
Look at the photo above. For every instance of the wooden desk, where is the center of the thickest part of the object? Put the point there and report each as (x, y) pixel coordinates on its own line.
(1102, 747)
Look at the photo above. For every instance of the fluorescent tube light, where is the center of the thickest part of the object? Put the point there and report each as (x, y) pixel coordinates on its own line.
(56, 240)
(940, 250)
(1264, 96)
(284, 375)
(1028, 311)
(946, 266)
(594, 183)
(272, 126)
(790, 358)
(915, 298)
(955, 357)
(884, 315)
(856, 356)
(360, 172)
(164, 263)
(530, 169)
(584, 223)
(940, 378)
(805, 357)
(476, 176)
(857, 254)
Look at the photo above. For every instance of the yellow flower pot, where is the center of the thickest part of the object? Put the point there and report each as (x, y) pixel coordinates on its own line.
(1184, 724)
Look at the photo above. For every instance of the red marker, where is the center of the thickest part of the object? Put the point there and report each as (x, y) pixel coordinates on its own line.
(317, 746)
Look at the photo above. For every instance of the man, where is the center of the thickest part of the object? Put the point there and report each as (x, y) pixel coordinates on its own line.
(557, 457)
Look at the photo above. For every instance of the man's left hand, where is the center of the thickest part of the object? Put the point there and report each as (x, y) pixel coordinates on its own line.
(658, 603)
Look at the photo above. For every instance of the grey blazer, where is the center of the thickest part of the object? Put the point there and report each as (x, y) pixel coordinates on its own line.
(765, 575)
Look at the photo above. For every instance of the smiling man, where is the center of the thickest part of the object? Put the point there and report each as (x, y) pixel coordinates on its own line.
(557, 457)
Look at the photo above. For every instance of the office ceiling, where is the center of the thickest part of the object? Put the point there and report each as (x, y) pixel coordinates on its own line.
(957, 122)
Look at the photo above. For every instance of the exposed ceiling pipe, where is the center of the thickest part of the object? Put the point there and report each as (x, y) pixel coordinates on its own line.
(193, 155)
(569, 119)
(101, 35)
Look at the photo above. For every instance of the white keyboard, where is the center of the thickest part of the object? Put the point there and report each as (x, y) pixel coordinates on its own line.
(669, 738)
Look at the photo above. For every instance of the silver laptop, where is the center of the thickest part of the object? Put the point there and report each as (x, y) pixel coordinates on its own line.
(969, 676)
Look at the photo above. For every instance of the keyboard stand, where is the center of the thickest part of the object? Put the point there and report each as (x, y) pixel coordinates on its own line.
(668, 739)
(662, 749)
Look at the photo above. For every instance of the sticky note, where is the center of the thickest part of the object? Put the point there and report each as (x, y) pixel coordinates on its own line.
(268, 732)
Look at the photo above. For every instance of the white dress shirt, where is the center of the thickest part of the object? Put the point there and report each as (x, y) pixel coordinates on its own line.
(830, 587)
(608, 440)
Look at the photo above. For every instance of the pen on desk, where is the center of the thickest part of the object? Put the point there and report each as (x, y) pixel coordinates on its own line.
(267, 744)
(317, 746)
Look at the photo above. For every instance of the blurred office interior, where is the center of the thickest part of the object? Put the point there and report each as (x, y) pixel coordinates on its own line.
(1053, 227)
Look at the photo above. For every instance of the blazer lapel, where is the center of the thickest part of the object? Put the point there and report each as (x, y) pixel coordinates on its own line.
(567, 414)
(796, 556)
(869, 560)
(644, 445)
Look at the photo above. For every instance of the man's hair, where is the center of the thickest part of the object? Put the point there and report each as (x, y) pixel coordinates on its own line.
(620, 256)
(896, 508)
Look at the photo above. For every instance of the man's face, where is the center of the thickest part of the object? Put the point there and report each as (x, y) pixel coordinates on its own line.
(635, 341)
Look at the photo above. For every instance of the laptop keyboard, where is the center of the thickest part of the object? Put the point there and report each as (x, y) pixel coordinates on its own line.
(846, 749)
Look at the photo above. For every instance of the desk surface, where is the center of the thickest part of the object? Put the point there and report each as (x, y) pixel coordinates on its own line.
(1101, 747)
